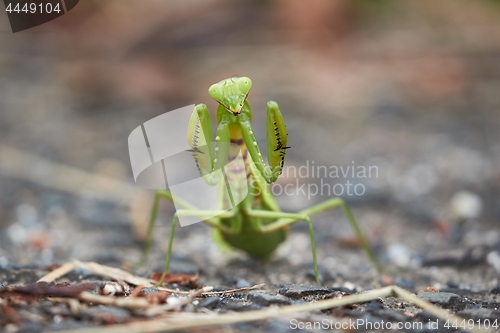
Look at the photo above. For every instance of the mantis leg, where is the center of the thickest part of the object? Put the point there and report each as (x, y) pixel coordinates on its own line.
(197, 213)
(290, 218)
(199, 137)
(188, 211)
(277, 138)
(286, 219)
(152, 219)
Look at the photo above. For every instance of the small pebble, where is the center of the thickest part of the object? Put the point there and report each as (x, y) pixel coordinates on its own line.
(173, 301)
(466, 205)
(30, 327)
(342, 290)
(472, 306)
(27, 215)
(480, 313)
(495, 291)
(390, 315)
(405, 284)
(493, 258)
(266, 299)
(210, 302)
(150, 291)
(445, 300)
(114, 288)
(296, 291)
(374, 306)
(79, 274)
(70, 324)
(386, 280)
(118, 315)
(11, 328)
(242, 283)
(474, 256)
(237, 305)
(189, 308)
(350, 286)
(310, 274)
(448, 258)
(17, 233)
(399, 254)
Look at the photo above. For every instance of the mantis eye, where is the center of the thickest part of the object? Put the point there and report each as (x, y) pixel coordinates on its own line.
(245, 84)
(215, 91)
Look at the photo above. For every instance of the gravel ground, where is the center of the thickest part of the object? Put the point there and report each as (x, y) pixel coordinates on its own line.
(424, 113)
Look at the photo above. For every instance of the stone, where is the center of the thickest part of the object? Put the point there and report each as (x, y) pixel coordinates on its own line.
(444, 299)
(242, 283)
(296, 291)
(209, 302)
(266, 299)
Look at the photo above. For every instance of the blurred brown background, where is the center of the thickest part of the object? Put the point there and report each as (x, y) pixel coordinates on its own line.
(412, 87)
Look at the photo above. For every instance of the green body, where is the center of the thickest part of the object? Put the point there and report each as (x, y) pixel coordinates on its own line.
(257, 244)
(256, 225)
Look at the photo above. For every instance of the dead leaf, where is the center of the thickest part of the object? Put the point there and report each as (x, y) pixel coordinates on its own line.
(175, 278)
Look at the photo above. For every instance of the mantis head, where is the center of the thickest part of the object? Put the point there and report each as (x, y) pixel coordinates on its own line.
(231, 93)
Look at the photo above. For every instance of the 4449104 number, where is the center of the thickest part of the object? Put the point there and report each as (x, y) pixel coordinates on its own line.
(471, 324)
(34, 8)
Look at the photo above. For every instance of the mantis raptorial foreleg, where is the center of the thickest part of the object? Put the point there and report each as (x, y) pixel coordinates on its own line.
(199, 137)
(277, 139)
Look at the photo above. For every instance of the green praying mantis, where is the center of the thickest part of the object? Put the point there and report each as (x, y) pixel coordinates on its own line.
(256, 225)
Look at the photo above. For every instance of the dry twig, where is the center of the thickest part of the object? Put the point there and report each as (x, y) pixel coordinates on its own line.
(189, 321)
(121, 275)
(43, 289)
(58, 272)
(122, 302)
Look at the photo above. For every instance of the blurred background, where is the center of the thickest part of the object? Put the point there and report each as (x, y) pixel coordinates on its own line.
(412, 87)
